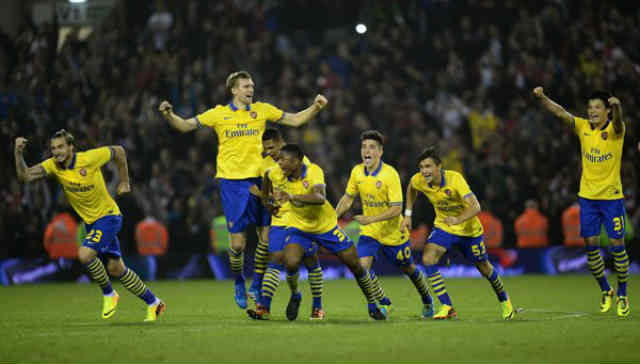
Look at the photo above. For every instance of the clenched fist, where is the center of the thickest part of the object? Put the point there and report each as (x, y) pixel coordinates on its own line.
(320, 102)
(20, 144)
(165, 107)
(538, 91)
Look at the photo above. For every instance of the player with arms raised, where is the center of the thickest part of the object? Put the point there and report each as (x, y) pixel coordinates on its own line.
(81, 179)
(239, 126)
(600, 196)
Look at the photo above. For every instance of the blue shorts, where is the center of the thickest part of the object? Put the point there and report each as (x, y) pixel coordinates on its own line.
(102, 236)
(240, 206)
(399, 255)
(595, 213)
(277, 237)
(472, 248)
(335, 240)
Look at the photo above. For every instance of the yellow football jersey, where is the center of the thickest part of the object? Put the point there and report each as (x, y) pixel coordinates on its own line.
(447, 199)
(265, 166)
(601, 152)
(314, 219)
(239, 137)
(378, 191)
(84, 185)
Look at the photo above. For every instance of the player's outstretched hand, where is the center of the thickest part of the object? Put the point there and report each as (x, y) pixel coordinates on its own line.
(165, 107)
(538, 91)
(20, 144)
(123, 187)
(320, 102)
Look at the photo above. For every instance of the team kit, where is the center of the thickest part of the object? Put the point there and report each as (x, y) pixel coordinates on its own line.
(273, 185)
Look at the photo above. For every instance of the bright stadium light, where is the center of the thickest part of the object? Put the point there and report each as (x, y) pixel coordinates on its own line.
(361, 28)
(77, 1)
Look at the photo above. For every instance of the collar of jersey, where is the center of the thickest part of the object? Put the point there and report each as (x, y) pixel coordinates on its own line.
(441, 180)
(303, 175)
(604, 126)
(235, 108)
(72, 164)
(375, 173)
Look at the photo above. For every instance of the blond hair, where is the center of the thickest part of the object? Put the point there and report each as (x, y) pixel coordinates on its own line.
(232, 78)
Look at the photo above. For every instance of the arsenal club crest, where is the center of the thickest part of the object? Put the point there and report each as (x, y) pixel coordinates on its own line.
(378, 184)
(83, 172)
(305, 184)
(604, 135)
(253, 114)
(447, 192)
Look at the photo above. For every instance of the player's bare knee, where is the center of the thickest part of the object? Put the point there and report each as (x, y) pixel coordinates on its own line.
(408, 269)
(85, 255)
(115, 268)
(429, 259)
(617, 242)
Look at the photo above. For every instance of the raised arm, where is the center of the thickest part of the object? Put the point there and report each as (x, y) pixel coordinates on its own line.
(551, 106)
(411, 196)
(24, 172)
(301, 117)
(176, 121)
(120, 158)
(344, 204)
(618, 126)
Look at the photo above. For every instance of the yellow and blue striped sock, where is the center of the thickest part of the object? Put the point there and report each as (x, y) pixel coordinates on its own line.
(437, 285)
(134, 284)
(99, 274)
(621, 261)
(316, 282)
(596, 266)
(378, 292)
(270, 284)
(260, 260)
(236, 261)
(367, 288)
(498, 287)
(418, 280)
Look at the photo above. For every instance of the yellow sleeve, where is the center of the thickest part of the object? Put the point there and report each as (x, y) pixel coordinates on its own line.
(208, 117)
(316, 175)
(99, 156)
(462, 186)
(579, 124)
(395, 188)
(414, 182)
(48, 166)
(272, 113)
(352, 187)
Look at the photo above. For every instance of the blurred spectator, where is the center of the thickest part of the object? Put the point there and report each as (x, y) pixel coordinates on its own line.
(60, 237)
(571, 226)
(152, 239)
(492, 229)
(532, 227)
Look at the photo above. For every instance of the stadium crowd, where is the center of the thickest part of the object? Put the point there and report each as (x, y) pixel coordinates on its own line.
(455, 73)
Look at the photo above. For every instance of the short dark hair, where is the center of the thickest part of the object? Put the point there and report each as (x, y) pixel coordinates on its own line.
(294, 150)
(233, 78)
(603, 95)
(271, 134)
(68, 137)
(372, 135)
(432, 152)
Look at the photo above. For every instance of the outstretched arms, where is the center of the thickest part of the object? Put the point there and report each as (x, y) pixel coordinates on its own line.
(176, 121)
(301, 117)
(551, 106)
(26, 173)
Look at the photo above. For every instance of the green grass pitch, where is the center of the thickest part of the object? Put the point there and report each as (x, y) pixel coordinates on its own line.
(61, 323)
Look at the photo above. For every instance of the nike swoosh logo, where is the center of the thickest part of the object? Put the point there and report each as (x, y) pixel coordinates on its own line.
(108, 312)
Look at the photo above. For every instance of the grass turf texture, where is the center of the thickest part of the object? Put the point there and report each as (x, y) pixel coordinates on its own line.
(561, 323)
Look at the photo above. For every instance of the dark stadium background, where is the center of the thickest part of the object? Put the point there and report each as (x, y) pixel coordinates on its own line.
(454, 73)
